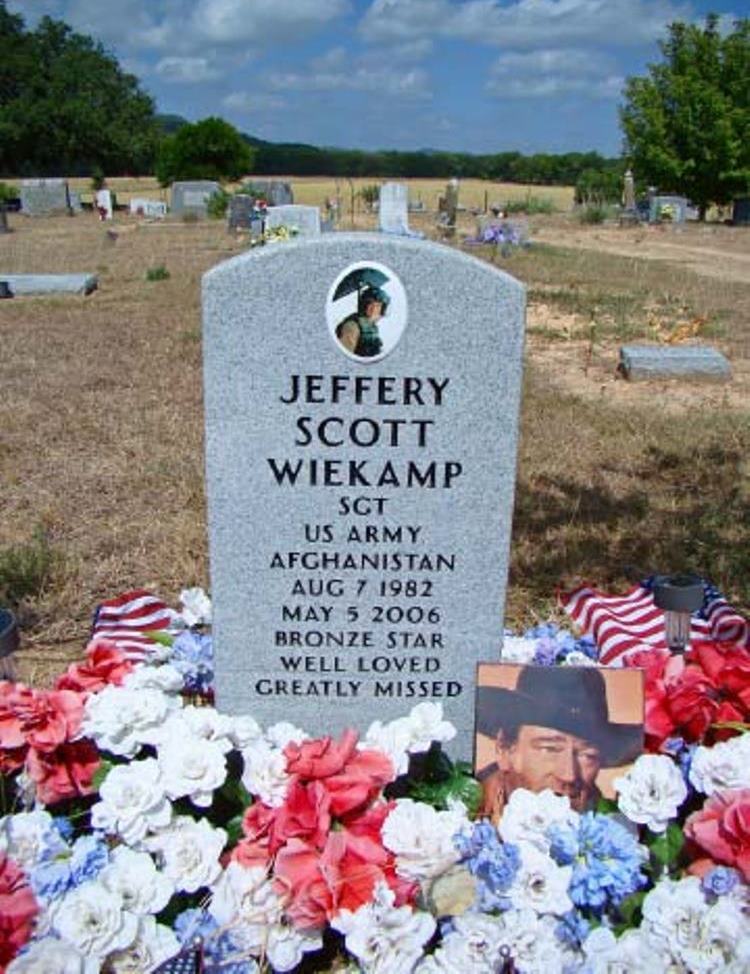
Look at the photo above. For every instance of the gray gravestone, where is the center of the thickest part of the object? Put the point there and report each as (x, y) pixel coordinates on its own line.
(393, 210)
(241, 212)
(359, 507)
(74, 200)
(304, 219)
(51, 283)
(639, 362)
(151, 209)
(44, 197)
(676, 206)
(192, 197)
(275, 192)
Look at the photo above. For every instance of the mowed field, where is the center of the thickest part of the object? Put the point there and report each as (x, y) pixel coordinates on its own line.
(101, 426)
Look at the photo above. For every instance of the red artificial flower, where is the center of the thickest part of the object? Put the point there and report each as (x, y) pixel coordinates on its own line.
(300, 878)
(304, 815)
(66, 772)
(321, 757)
(105, 664)
(360, 781)
(693, 701)
(18, 908)
(42, 719)
(255, 848)
(722, 829)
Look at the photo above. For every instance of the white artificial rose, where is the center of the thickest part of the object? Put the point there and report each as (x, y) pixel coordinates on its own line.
(283, 733)
(651, 792)
(422, 839)
(245, 900)
(135, 878)
(28, 837)
(204, 723)
(92, 919)
(52, 956)
(188, 852)
(264, 773)
(540, 884)
(392, 739)
(427, 726)
(633, 952)
(286, 946)
(132, 801)
(196, 607)
(244, 731)
(517, 649)
(192, 768)
(165, 678)
(120, 720)
(726, 765)
(700, 937)
(576, 658)
(528, 817)
(384, 938)
(153, 944)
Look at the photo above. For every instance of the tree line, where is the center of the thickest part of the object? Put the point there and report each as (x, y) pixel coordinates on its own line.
(68, 108)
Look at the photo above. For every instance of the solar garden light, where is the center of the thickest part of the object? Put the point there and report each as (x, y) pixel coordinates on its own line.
(9, 640)
(679, 596)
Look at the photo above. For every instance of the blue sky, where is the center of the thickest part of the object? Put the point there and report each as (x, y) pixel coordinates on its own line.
(463, 75)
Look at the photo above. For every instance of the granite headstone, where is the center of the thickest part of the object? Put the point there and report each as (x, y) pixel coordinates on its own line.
(242, 213)
(191, 198)
(152, 209)
(44, 197)
(698, 362)
(21, 284)
(275, 192)
(304, 219)
(360, 500)
(667, 209)
(393, 210)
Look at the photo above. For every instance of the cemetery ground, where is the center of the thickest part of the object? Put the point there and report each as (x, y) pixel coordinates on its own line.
(101, 425)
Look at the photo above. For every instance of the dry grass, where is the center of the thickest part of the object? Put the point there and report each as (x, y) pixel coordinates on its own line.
(101, 448)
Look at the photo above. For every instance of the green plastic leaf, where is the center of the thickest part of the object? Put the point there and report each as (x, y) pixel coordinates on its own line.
(101, 773)
(606, 806)
(667, 847)
(163, 638)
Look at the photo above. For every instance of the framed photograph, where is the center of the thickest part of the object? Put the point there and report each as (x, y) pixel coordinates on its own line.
(572, 729)
(366, 311)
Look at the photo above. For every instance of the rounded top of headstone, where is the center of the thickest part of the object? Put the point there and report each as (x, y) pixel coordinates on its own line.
(364, 246)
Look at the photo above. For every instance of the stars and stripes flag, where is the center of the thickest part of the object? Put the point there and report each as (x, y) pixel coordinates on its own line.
(620, 623)
(128, 619)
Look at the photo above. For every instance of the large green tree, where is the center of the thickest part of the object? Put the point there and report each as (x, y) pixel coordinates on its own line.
(209, 149)
(66, 106)
(687, 123)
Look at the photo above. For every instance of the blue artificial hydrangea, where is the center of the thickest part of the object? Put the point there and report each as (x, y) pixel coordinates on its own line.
(554, 645)
(493, 863)
(605, 857)
(572, 929)
(69, 867)
(64, 827)
(192, 655)
(682, 753)
(720, 880)
(221, 953)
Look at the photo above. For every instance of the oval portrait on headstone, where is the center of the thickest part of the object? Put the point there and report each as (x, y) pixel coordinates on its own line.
(366, 311)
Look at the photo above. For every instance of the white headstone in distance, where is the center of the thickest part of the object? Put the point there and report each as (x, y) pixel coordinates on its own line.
(360, 493)
(152, 209)
(304, 219)
(103, 203)
(393, 210)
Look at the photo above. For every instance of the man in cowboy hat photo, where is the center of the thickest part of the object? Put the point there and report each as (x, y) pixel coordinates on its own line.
(359, 333)
(552, 731)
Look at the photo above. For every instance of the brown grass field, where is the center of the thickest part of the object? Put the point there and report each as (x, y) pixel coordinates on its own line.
(101, 451)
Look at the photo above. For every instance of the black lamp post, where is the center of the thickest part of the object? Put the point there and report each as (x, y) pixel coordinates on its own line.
(9, 641)
(679, 596)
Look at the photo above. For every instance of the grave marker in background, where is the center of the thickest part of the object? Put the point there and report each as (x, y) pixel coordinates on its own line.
(393, 210)
(192, 197)
(44, 197)
(305, 219)
(638, 362)
(152, 209)
(360, 504)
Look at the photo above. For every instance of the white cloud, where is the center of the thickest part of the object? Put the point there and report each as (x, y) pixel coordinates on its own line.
(246, 103)
(260, 21)
(407, 83)
(523, 23)
(549, 72)
(187, 70)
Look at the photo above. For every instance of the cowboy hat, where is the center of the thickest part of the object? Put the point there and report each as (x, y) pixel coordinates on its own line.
(570, 699)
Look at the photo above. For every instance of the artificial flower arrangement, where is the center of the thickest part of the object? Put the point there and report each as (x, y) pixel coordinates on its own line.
(136, 821)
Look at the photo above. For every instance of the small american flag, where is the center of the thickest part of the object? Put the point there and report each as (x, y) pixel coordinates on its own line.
(189, 960)
(620, 623)
(127, 620)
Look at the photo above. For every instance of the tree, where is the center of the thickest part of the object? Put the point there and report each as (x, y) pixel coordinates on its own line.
(66, 106)
(687, 123)
(209, 149)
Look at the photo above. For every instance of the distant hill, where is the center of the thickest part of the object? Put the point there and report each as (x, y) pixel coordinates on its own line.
(169, 124)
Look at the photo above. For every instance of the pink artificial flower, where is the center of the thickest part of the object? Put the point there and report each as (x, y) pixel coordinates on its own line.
(304, 815)
(66, 772)
(105, 664)
(360, 782)
(722, 829)
(43, 719)
(321, 757)
(18, 908)
(300, 878)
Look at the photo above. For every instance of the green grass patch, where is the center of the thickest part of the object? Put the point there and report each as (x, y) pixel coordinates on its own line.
(27, 570)
(158, 273)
